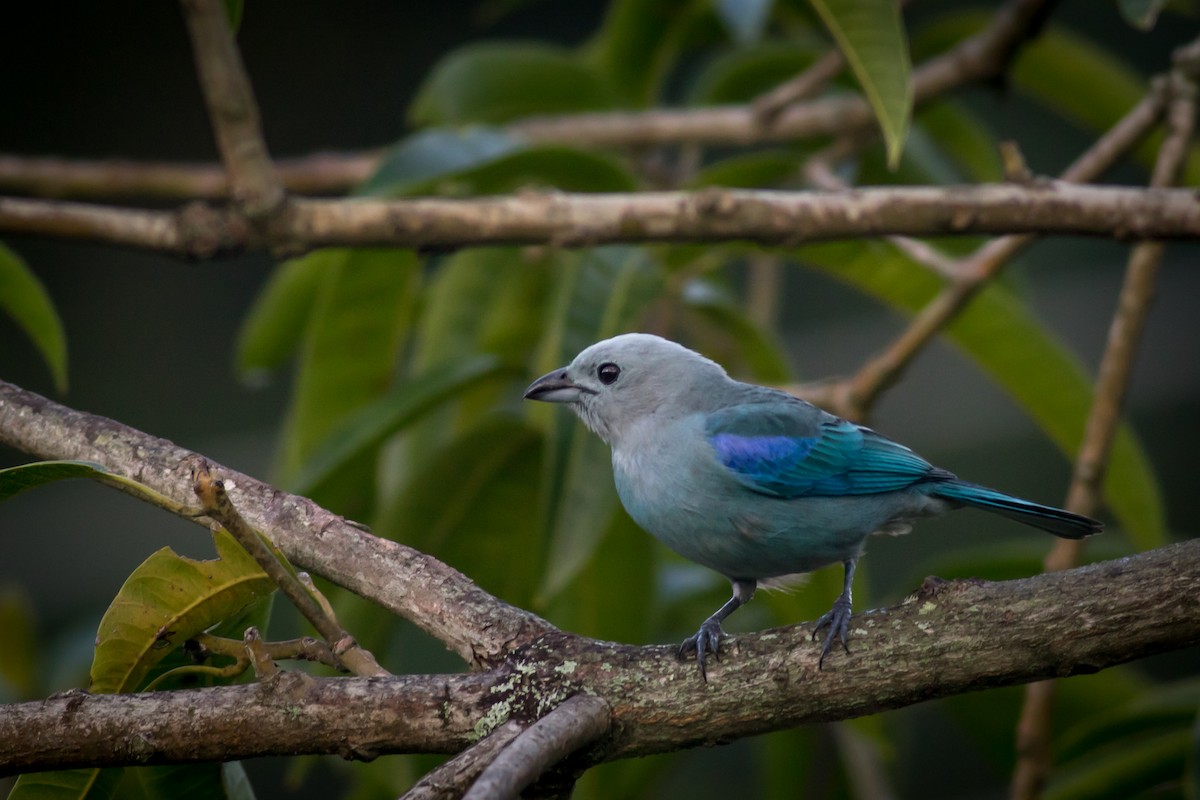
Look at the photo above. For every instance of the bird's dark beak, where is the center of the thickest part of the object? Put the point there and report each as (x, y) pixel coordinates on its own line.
(554, 387)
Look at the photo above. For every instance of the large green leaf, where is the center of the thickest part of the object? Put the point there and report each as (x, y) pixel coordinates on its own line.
(275, 324)
(962, 139)
(469, 504)
(482, 300)
(481, 161)
(25, 301)
(19, 672)
(637, 43)
(352, 345)
(362, 433)
(165, 601)
(871, 36)
(999, 332)
(427, 157)
(718, 326)
(14, 480)
(599, 295)
(747, 72)
(68, 784)
(496, 82)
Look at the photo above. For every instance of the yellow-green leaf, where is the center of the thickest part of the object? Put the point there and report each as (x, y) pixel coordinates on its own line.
(168, 599)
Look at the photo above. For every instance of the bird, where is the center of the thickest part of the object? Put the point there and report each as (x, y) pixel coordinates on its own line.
(753, 482)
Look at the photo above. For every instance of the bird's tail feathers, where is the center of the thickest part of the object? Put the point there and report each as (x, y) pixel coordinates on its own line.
(1053, 520)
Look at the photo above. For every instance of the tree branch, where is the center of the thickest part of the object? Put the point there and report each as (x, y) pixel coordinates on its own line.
(579, 220)
(437, 598)
(577, 722)
(979, 57)
(232, 109)
(947, 639)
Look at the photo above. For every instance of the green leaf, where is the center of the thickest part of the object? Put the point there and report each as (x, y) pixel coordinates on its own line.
(233, 11)
(479, 161)
(19, 673)
(422, 159)
(364, 431)
(23, 477)
(352, 344)
(1141, 14)
(743, 74)
(745, 19)
(963, 139)
(24, 300)
(763, 169)
(1070, 76)
(637, 42)
(496, 82)
(1090, 85)
(871, 36)
(275, 324)
(236, 781)
(998, 331)
(67, 784)
(722, 330)
(469, 505)
(599, 295)
(1124, 772)
(167, 600)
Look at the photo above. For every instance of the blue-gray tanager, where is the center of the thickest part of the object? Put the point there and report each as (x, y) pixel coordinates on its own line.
(753, 482)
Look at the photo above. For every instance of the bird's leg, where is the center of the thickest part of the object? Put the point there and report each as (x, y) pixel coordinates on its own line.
(708, 638)
(837, 619)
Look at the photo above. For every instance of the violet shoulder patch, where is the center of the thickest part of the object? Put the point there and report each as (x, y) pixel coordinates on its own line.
(760, 456)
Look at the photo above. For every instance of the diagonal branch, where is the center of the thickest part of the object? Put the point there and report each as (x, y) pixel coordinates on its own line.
(437, 598)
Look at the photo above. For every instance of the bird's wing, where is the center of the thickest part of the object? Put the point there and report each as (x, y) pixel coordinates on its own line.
(791, 449)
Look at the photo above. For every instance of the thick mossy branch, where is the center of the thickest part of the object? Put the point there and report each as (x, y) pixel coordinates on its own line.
(946, 639)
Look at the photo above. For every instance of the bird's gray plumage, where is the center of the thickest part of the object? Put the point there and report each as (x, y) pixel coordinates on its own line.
(750, 481)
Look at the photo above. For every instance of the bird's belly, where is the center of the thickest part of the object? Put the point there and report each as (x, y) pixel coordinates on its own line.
(743, 534)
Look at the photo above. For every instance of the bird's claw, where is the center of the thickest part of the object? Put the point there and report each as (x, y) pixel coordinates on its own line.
(837, 620)
(707, 640)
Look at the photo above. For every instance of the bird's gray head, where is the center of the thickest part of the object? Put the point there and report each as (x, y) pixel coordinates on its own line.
(622, 380)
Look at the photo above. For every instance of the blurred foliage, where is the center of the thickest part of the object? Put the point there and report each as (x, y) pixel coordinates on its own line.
(408, 371)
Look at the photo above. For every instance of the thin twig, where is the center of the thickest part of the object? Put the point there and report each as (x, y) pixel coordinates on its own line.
(1034, 758)
(217, 506)
(576, 722)
(232, 109)
(304, 648)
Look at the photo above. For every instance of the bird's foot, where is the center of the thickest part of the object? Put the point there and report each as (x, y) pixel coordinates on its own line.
(707, 640)
(837, 620)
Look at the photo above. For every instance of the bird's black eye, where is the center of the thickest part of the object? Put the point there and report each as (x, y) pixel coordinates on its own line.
(608, 373)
